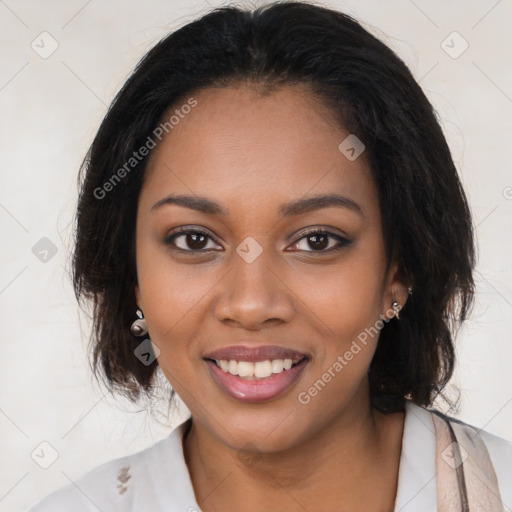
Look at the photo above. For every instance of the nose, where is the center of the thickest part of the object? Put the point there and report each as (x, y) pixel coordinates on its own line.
(253, 294)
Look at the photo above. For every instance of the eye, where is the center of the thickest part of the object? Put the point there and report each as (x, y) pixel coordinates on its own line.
(319, 240)
(193, 240)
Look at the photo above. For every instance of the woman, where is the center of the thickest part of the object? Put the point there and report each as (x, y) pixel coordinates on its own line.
(270, 215)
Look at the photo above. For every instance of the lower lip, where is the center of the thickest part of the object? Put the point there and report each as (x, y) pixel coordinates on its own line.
(257, 390)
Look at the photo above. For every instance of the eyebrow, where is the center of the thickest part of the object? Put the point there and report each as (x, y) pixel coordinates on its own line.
(297, 207)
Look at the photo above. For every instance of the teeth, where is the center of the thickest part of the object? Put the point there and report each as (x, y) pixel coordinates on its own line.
(277, 365)
(258, 370)
(262, 369)
(245, 369)
(233, 367)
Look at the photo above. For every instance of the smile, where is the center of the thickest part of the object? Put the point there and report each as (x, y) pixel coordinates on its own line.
(256, 370)
(256, 381)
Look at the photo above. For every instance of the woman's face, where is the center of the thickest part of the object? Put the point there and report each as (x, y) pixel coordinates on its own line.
(257, 278)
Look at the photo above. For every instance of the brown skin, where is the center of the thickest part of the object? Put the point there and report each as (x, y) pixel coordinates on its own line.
(251, 153)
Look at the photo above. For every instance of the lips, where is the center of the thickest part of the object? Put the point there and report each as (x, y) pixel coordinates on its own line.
(255, 354)
(287, 367)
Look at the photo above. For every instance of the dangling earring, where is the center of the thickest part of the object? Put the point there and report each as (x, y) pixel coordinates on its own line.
(139, 327)
(396, 309)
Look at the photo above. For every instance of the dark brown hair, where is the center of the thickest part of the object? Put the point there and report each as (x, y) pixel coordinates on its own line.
(426, 220)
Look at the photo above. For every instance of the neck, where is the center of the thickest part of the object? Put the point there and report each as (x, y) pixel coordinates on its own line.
(357, 452)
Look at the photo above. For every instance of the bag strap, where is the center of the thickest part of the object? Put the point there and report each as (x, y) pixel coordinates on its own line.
(465, 479)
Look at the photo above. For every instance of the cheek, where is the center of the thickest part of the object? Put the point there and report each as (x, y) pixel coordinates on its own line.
(172, 301)
(348, 334)
(345, 306)
(347, 296)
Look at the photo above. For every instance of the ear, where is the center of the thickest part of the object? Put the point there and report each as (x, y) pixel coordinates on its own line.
(395, 289)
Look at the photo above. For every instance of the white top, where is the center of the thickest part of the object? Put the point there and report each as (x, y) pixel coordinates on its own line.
(157, 479)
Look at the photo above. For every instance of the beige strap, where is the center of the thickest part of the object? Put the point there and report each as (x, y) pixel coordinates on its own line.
(466, 480)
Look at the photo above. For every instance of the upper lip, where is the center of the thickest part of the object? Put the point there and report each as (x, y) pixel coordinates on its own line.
(255, 354)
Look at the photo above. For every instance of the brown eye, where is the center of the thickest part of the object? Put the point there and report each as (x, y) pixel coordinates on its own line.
(191, 240)
(318, 241)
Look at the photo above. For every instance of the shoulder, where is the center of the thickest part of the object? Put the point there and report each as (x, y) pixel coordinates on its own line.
(115, 485)
(498, 448)
(500, 452)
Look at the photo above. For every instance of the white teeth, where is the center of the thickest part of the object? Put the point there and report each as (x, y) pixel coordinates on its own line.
(258, 370)
(245, 369)
(233, 367)
(277, 365)
(263, 369)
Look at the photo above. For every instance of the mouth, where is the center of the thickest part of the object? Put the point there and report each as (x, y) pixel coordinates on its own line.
(256, 374)
(258, 370)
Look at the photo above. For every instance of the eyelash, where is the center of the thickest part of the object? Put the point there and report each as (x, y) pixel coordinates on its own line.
(342, 241)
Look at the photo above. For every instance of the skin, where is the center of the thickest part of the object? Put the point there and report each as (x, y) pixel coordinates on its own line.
(251, 153)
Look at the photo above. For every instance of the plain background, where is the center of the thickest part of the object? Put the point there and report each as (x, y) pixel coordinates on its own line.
(51, 108)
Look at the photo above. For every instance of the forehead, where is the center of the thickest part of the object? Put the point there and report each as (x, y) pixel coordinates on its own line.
(249, 148)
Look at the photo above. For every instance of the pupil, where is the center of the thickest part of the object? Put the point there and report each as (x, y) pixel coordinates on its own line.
(194, 237)
(319, 245)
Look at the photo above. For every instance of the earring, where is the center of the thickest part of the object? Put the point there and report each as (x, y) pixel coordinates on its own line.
(396, 309)
(139, 327)
(409, 290)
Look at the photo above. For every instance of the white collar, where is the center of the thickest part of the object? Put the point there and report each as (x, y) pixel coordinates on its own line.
(417, 490)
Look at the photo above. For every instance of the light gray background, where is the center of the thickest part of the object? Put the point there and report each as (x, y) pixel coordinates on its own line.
(51, 109)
